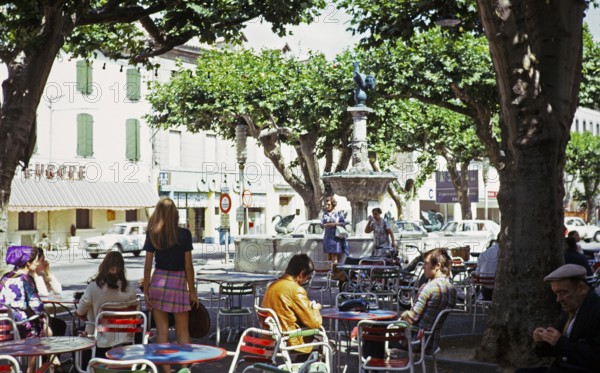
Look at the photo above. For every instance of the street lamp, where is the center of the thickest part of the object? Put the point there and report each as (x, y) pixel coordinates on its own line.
(241, 136)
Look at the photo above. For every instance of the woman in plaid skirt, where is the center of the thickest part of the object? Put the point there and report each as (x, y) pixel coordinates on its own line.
(171, 287)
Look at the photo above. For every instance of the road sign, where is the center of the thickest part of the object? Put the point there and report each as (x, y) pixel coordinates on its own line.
(225, 203)
(239, 214)
(246, 198)
(225, 221)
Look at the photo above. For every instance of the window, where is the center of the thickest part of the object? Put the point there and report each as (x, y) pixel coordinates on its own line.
(130, 215)
(597, 129)
(576, 125)
(26, 221)
(84, 77)
(82, 219)
(132, 139)
(133, 86)
(584, 127)
(85, 135)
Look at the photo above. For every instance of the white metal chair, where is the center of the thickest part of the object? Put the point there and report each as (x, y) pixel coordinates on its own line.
(480, 280)
(322, 281)
(269, 320)
(113, 328)
(235, 294)
(100, 365)
(9, 364)
(389, 333)
(428, 344)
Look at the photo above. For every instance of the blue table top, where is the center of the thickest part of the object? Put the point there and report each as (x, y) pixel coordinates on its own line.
(334, 313)
(168, 353)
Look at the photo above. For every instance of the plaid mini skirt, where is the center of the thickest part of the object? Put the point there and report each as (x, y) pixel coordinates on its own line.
(168, 291)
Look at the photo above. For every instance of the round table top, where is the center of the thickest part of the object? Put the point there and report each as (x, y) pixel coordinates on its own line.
(236, 277)
(46, 346)
(334, 313)
(168, 353)
(363, 267)
(65, 298)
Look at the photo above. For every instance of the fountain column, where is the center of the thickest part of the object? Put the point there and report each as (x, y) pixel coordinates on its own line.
(360, 184)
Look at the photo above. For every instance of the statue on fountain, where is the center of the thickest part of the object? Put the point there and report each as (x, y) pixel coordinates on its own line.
(363, 83)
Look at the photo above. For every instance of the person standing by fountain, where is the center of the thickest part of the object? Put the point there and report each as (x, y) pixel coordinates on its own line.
(332, 245)
(383, 235)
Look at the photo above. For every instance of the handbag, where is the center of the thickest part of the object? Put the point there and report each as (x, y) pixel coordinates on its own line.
(341, 232)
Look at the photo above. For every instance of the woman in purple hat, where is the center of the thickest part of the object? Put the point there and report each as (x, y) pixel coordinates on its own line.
(19, 293)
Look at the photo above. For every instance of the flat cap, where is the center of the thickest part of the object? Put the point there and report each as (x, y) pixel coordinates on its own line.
(567, 271)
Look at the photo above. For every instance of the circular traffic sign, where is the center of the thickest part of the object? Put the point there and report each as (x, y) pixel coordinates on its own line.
(225, 203)
(246, 198)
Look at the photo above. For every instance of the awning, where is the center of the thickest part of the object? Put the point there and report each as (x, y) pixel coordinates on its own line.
(43, 195)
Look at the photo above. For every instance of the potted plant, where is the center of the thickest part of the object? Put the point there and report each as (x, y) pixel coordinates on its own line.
(73, 239)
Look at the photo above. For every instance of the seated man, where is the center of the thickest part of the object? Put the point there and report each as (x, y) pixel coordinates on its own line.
(573, 256)
(486, 264)
(436, 295)
(574, 341)
(289, 300)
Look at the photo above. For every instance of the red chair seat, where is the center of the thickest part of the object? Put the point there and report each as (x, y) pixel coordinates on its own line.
(386, 363)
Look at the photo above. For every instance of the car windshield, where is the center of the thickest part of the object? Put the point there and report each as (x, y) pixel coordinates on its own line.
(117, 229)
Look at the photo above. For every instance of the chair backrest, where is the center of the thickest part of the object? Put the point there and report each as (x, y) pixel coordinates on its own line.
(100, 365)
(256, 345)
(372, 261)
(432, 336)
(386, 332)
(119, 327)
(371, 298)
(390, 273)
(9, 364)
(486, 279)
(268, 319)
(235, 292)
(8, 329)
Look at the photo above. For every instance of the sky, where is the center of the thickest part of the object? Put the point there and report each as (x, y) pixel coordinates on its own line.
(328, 34)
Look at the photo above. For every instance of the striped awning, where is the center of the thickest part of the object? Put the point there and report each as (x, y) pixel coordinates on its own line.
(44, 195)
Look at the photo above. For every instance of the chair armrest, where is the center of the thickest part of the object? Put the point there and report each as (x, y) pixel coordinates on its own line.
(303, 333)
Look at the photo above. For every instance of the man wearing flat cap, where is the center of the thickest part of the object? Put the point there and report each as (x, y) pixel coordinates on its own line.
(575, 340)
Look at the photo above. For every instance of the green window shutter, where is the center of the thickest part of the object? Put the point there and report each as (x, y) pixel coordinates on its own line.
(85, 135)
(133, 88)
(84, 77)
(132, 136)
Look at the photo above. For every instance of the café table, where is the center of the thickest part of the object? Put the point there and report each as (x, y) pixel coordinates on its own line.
(347, 317)
(51, 346)
(168, 353)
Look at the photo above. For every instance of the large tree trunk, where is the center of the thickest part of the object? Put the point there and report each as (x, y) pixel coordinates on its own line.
(536, 47)
(460, 180)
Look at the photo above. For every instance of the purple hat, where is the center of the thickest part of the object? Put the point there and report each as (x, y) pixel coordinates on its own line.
(18, 255)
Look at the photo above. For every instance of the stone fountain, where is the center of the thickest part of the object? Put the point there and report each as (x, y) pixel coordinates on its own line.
(359, 184)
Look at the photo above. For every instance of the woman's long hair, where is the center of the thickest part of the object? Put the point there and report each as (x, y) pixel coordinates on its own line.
(112, 272)
(162, 225)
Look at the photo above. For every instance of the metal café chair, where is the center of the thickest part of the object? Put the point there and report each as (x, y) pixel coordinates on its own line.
(235, 294)
(389, 333)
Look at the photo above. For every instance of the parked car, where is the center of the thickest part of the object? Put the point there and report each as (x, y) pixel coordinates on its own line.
(407, 229)
(125, 237)
(473, 227)
(586, 232)
(312, 229)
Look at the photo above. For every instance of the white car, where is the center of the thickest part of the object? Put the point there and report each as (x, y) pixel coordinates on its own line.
(586, 232)
(312, 229)
(474, 227)
(125, 237)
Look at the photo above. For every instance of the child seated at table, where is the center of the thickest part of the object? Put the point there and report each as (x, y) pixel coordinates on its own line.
(108, 286)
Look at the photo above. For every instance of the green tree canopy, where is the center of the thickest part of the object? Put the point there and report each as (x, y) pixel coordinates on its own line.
(583, 161)
(283, 101)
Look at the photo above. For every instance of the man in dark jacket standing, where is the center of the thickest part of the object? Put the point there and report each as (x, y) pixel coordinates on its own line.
(575, 340)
